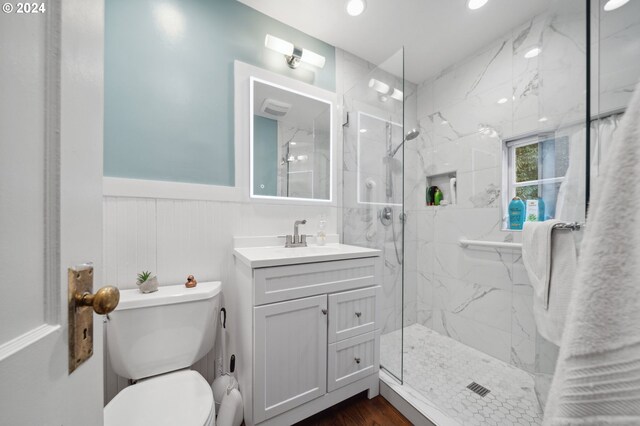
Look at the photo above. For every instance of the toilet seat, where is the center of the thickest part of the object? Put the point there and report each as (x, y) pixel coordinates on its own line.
(181, 398)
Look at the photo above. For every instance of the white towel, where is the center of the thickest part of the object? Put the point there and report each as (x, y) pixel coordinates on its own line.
(597, 379)
(550, 260)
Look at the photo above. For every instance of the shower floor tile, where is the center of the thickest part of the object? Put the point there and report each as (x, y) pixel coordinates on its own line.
(441, 368)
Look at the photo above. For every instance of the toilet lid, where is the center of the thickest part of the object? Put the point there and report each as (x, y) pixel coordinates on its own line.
(181, 398)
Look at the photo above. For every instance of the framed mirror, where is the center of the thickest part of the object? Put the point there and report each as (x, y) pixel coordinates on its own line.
(291, 143)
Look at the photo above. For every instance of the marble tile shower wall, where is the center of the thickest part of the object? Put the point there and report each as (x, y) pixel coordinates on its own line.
(360, 222)
(479, 297)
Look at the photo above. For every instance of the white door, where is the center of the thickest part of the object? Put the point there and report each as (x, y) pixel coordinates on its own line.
(51, 108)
(290, 355)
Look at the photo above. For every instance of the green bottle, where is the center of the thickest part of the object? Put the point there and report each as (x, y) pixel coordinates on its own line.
(437, 197)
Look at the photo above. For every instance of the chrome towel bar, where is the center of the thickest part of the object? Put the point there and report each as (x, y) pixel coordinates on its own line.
(573, 226)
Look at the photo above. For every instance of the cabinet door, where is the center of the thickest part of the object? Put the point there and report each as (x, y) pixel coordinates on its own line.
(290, 355)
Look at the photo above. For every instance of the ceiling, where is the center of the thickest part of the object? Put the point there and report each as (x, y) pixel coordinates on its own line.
(435, 33)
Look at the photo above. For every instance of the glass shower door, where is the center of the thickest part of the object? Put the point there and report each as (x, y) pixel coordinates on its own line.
(373, 176)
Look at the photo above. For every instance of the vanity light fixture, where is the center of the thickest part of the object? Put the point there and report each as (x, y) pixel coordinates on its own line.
(614, 4)
(397, 95)
(356, 7)
(385, 90)
(294, 55)
(533, 52)
(476, 4)
(379, 86)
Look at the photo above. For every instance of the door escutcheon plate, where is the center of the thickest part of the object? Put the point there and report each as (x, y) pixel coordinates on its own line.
(80, 317)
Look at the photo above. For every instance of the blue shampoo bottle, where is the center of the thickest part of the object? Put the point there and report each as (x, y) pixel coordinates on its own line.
(517, 211)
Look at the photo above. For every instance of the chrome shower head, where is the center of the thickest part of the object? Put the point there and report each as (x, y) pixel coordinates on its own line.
(412, 134)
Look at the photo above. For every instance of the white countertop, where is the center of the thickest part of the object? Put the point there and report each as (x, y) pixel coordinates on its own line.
(263, 257)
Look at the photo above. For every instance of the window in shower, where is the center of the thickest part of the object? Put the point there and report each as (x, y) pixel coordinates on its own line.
(535, 168)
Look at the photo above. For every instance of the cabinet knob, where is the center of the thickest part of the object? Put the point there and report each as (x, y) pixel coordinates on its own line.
(358, 314)
(324, 312)
(357, 360)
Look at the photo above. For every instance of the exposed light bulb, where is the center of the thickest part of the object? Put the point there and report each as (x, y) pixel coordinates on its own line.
(356, 7)
(476, 4)
(532, 53)
(614, 4)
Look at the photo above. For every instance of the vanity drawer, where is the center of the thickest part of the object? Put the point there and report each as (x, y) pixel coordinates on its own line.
(353, 359)
(352, 313)
(281, 283)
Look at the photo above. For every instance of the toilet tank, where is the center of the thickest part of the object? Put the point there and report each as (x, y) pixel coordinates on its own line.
(170, 329)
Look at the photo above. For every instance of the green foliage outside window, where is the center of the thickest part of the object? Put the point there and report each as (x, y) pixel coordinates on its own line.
(527, 163)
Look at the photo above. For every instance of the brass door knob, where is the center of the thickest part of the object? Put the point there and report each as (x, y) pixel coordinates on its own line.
(103, 301)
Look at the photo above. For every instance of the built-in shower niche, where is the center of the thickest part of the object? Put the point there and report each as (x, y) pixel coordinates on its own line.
(448, 184)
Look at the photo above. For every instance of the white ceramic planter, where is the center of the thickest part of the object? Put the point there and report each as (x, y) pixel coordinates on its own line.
(149, 286)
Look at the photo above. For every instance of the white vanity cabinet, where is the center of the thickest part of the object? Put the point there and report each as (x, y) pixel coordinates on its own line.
(308, 333)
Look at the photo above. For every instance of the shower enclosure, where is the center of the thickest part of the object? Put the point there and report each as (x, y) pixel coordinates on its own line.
(373, 177)
(530, 114)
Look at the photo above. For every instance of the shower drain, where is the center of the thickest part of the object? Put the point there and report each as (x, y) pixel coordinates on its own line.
(479, 389)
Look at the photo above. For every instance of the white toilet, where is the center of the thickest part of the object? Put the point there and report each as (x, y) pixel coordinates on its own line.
(154, 338)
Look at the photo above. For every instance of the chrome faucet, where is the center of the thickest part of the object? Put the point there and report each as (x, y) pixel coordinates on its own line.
(296, 240)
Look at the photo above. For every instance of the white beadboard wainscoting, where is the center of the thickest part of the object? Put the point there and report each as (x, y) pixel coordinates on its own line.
(175, 238)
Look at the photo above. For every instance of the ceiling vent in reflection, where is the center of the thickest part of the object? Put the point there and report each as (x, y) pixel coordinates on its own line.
(275, 108)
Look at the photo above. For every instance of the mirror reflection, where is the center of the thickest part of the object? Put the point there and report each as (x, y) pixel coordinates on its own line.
(290, 144)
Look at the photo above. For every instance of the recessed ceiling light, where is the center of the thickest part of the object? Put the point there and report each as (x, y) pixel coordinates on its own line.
(363, 130)
(614, 4)
(502, 100)
(476, 4)
(356, 7)
(543, 119)
(532, 53)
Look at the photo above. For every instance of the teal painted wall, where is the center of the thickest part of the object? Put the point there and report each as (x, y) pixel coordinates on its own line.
(265, 156)
(169, 84)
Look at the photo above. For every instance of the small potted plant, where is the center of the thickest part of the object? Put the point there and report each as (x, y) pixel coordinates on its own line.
(147, 283)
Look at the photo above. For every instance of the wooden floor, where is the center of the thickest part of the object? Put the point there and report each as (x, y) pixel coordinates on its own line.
(358, 411)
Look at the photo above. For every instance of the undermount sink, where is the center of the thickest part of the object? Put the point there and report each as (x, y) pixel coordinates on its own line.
(266, 256)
